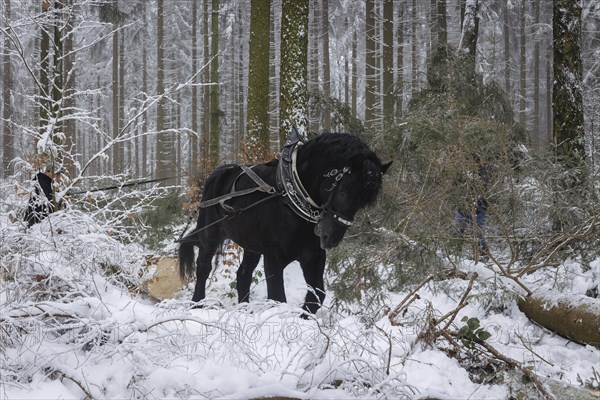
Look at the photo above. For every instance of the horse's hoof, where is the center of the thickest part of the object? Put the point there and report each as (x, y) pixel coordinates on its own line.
(197, 306)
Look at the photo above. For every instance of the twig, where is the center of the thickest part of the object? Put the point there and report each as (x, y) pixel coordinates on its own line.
(541, 388)
(389, 360)
(88, 395)
(407, 300)
(533, 352)
(461, 304)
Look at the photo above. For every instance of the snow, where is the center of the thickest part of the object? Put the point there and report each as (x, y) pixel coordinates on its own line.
(72, 329)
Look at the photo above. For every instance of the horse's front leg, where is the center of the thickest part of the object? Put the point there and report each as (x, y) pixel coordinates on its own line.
(274, 275)
(244, 275)
(313, 268)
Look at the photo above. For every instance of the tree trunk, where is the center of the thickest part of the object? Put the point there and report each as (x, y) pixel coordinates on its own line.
(388, 64)
(470, 33)
(215, 117)
(314, 120)
(536, 76)
(574, 317)
(69, 73)
(506, 36)
(163, 161)
(116, 148)
(144, 139)
(433, 25)
(414, 51)
(522, 66)
(44, 102)
(567, 92)
(442, 29)
(7, 87)
(568, 114)
(293, 96)
(57, 86)
(370, 67)
(274, 84)
(123, 156)
(354, 72)
(400, 61)
(193, 142)
(347, 71)
(326, 68)
(206, 95)
(258, 80)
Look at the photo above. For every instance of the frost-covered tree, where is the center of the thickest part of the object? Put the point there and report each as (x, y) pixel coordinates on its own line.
(293, 75)
(258, 79)
(567, 90)
(215, 112)
(470, 31)
(371, 92)
(164, 156)
(7, 84)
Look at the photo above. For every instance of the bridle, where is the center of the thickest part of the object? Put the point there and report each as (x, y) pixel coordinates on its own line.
(296, 195)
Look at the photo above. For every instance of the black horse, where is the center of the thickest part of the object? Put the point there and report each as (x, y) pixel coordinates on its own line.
(291, 208)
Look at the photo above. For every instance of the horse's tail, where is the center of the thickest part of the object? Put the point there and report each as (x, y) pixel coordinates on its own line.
(186, 258)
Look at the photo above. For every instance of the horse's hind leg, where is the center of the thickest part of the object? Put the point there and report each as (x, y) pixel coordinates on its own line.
(203, 267)
(244, 275)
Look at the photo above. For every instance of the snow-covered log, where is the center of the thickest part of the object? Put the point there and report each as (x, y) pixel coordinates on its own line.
(574, 317)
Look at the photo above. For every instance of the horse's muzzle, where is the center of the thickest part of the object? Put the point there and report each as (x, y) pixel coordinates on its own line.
(330, 238)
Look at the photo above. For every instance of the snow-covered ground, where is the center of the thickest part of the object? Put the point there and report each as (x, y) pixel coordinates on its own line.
(75, 326)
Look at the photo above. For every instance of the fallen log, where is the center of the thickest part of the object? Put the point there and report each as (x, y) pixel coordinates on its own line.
(575, 317)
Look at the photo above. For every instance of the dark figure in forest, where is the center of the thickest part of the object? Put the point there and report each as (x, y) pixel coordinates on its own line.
(475, 204)
(41, 202)
(291, 208)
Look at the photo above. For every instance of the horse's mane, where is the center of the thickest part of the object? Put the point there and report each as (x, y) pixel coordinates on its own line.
(339, 150)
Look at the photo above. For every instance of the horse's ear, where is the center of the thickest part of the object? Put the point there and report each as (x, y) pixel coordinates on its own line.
(385, 167)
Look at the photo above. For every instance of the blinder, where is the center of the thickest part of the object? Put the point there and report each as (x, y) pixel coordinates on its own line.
(336, 175)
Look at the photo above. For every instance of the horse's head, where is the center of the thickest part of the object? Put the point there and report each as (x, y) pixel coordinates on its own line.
(345, 191)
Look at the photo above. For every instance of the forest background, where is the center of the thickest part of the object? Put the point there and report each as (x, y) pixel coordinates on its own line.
(128, 91)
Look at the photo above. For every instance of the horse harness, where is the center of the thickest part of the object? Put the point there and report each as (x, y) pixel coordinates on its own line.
(295, 195)
(289, 187)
